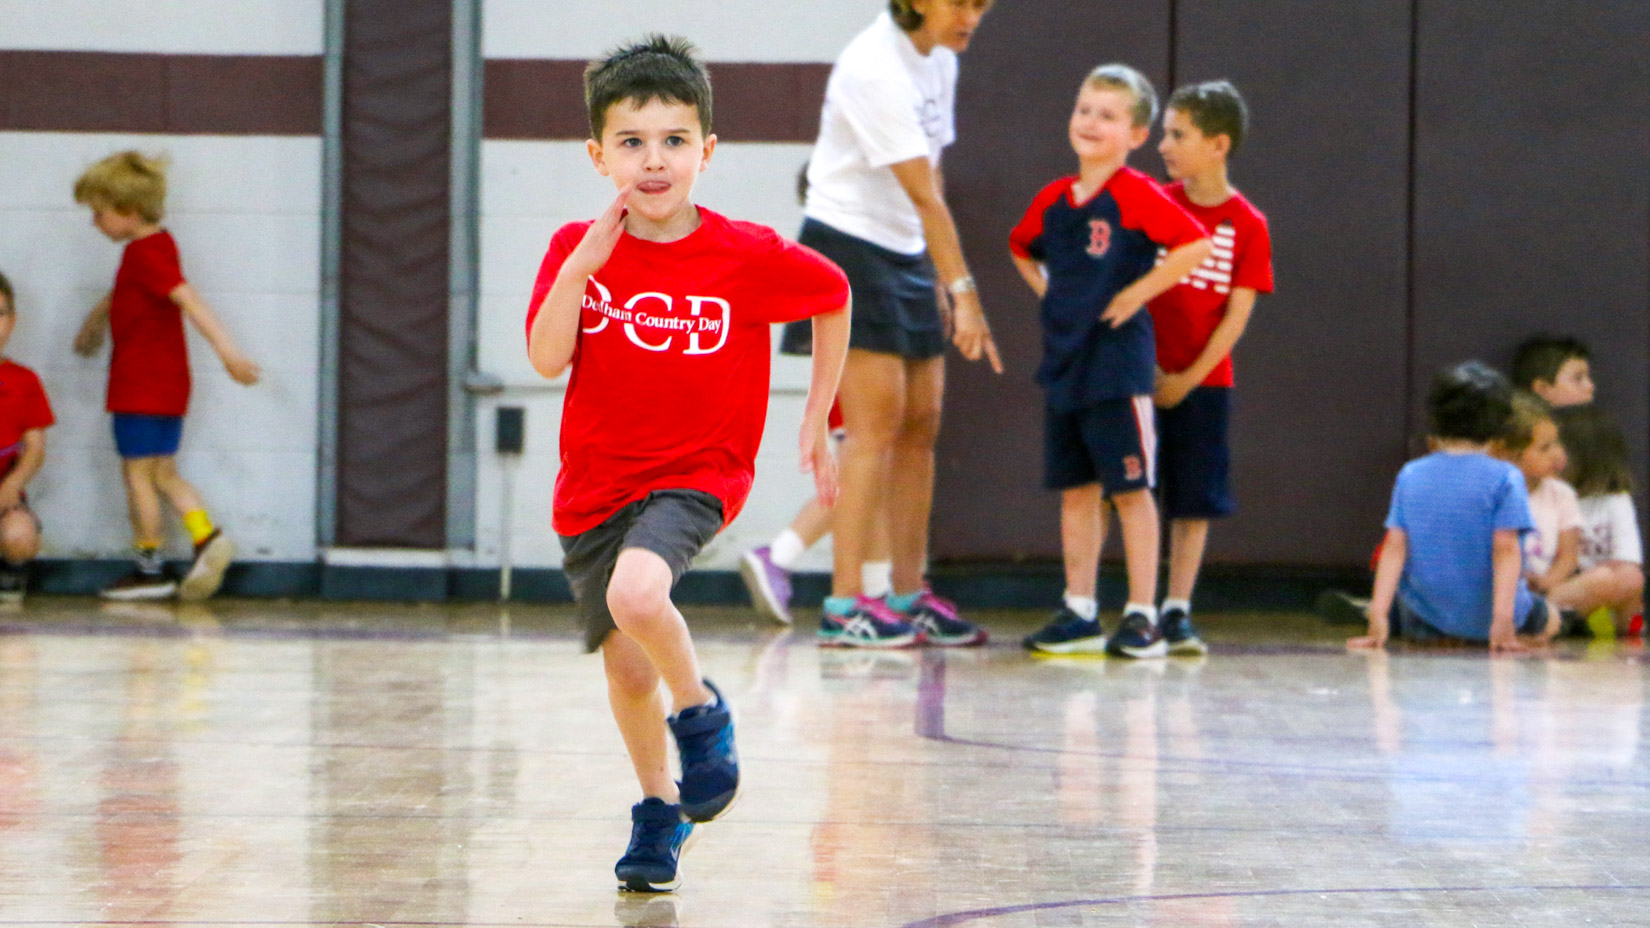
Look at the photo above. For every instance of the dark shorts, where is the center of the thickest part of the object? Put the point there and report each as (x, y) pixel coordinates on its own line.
(1110, 443)
(144, 436)
(674, 524)
(896, 310)
(1194, 456)
(1404, 623)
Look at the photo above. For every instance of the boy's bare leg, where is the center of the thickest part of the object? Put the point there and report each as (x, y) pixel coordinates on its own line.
(143, 500)
(178, 491)
(19, 538)
(911, 473)
(1137, 513)
(639, 708)
(639, 598)
(812, 522)
(873, 405)
(1082, 533)
(1187, 539)
(1616, 584)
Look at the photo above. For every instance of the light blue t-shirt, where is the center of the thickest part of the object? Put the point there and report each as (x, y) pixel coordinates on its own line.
(1450, 506)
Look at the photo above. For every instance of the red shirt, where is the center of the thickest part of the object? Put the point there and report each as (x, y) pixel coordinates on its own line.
(669, 383)
(149, 366)
(23, 406)
(1188, 313)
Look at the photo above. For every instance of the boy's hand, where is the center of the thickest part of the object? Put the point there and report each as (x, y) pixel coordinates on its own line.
(600, 239)
(1121, 310)
(1376, 637)
(88, 340)
(1172, 389)
(818, 460)
(1504, 638)
(243, 370)
(972, 334)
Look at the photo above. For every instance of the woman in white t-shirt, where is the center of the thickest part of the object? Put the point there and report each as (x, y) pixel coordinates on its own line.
(876, 207)
(1611, 555)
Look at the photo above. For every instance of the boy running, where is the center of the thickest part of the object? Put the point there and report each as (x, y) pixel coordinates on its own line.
(662, 310)
(1087, 246)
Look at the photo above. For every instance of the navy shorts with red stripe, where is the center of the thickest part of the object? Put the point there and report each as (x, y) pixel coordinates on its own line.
(1112, 443)
(1194, 456)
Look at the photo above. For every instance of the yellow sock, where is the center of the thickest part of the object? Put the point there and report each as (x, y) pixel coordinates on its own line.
(199, 525)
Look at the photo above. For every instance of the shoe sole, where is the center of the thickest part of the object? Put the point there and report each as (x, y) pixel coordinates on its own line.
(1158, 648)
(869, 644)
(1191, 647)
(721, 804)
(640, 885)
(207, 573)
(761, 592)
(972, 641)
(1338, 609)
(141, 594)
(1095, 645)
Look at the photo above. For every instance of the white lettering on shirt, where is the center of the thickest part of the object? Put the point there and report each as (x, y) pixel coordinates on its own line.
(645, 316)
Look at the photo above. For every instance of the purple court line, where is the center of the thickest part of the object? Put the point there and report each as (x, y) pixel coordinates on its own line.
(930, 724)
(960, 918)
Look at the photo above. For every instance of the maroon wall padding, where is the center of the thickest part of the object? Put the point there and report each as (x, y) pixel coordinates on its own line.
(61, 91)
(1014, 98)
(1318, 429)
(1532, 206)
(392, 366)
(754, 101)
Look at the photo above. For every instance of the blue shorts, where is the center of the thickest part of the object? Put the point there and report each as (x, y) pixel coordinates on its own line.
(1111, 443)
(144, 436)
(1194, 456)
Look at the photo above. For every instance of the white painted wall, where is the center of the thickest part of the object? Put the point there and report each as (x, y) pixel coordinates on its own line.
(529, 189)
(246, 214)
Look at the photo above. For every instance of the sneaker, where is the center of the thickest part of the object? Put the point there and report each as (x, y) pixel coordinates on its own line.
(871, 624)
(13, 582)
(1338, 608)
(212, 557)
(140, 585)
(1068, 633)
(768, 583)
(710, 765)
(658, 837)
(1137, 637)
(939, 623)
(1179, 633)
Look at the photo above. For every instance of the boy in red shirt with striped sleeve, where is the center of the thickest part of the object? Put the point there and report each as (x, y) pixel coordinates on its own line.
(1198, 322)
(149, 373)
(25, 414)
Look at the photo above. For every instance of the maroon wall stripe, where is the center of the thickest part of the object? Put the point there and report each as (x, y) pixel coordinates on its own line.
(394, 275)
(55, 91)
(755, 102)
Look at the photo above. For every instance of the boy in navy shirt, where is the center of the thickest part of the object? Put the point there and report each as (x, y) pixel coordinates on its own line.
(1452, 564)
(1088, 246)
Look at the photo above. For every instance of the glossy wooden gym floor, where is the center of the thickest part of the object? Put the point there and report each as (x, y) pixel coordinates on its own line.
(255, 763)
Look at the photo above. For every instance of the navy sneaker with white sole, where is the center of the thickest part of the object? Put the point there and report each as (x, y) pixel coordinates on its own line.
(658, 838)
(1181, 636)
(870, 624)
(710, 763)
(1068, 633)
(940, 624)
(1137, 637)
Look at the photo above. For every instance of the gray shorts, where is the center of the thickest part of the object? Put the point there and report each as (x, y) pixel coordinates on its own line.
(674, 524)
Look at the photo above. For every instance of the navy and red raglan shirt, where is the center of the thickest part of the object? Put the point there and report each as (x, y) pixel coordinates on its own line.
(1093, 250)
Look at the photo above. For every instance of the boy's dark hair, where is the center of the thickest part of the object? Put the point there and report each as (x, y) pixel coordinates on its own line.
(909, 20)
(6, 293)
(1541, 356)
(659, 67)
(1596, 449)
(1215, 108)
(1469, 402)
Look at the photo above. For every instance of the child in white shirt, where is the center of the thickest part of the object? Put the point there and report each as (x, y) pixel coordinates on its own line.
(1610, 558)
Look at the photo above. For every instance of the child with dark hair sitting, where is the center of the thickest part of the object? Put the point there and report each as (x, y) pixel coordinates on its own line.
(1451, 566)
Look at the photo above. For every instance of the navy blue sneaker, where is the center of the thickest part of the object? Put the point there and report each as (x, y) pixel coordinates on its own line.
(710, 765)
(1068, 633)
(940, 624)
(871, 624)
(658, 837)
(1179, 633)
(1137, 637)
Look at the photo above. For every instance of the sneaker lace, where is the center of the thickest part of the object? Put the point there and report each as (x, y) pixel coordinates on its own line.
(945, 608)
(651, 839)
(878, 611)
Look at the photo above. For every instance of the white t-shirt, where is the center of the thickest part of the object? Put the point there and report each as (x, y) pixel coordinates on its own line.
(885, 103)
(1554, 509)
(1609, 530)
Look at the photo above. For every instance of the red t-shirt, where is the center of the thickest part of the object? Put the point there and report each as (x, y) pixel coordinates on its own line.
(149, 366)
(1188, 313)
(23, 406)
(669, 383)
